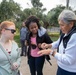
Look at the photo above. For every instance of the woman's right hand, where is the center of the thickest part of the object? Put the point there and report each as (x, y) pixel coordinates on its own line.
(44, 52)
(45, 46)
(26, 44)
(14, 66)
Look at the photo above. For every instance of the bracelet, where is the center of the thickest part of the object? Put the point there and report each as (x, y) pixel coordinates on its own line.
(53, 53)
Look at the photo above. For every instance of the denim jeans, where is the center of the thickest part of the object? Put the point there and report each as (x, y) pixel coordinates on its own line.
(36, 65)
(64, 72)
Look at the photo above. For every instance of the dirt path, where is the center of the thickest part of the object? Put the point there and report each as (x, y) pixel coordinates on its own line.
(48, 70)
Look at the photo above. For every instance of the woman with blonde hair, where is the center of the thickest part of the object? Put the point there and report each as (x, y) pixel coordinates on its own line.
(9, 52)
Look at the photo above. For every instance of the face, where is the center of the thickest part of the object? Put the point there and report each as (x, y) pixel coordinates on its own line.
(9, 32)
(33, 27)
(65, 28)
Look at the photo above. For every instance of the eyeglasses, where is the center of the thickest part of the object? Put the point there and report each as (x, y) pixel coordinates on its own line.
(12, 30)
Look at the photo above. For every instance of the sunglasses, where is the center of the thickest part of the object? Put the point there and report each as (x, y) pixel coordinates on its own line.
(12, 30)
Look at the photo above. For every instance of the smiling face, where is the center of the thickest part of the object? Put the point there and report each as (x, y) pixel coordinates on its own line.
(65, 28)
(33, 27)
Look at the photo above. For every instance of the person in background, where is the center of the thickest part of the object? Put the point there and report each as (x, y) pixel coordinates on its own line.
(23, 34)
(37, 35)
(10, 47)
(66, 47)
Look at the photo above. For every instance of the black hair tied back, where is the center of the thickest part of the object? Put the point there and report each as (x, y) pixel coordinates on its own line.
(32, 19)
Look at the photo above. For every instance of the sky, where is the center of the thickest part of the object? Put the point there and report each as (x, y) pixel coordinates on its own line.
(48, 4)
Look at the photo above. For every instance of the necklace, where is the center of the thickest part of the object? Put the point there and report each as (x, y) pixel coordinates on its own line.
(5, 45)
(8, 51)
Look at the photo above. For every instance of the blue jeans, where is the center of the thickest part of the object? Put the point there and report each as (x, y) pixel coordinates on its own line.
(64, 72)
(36, 65)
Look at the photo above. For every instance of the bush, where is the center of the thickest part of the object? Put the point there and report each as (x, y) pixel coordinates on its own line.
(53, 36)
(56, 34)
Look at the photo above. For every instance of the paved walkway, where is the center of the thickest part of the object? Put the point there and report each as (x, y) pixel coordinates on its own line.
(48, 70)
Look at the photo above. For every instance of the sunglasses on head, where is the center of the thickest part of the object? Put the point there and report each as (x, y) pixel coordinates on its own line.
(12, 30)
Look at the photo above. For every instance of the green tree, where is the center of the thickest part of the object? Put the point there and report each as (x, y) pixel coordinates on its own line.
(36, 3)
(53, 15)
(37, 6)
(35, 10)
(9, 10)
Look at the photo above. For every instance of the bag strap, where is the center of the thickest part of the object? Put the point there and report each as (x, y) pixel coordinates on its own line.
(6, 54)
(61, 37)
(48, 58)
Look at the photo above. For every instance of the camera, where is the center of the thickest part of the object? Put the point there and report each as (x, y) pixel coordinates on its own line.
(33, 46)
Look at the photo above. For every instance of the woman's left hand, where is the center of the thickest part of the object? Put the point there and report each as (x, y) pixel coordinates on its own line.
(39, 45)
(44, 52)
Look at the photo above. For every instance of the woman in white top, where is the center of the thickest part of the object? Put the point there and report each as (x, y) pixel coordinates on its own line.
(66, 55)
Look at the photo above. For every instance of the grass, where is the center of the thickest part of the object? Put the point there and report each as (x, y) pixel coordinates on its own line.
(53, 35)
(54, 38)
(17, 39)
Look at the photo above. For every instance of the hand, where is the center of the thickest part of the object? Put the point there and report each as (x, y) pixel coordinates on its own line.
(14, 66)
(44, 52)
(44, 45)
(39, 45)
(26, 43)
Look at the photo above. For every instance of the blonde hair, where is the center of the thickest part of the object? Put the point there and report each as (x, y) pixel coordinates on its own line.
(5, 24)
